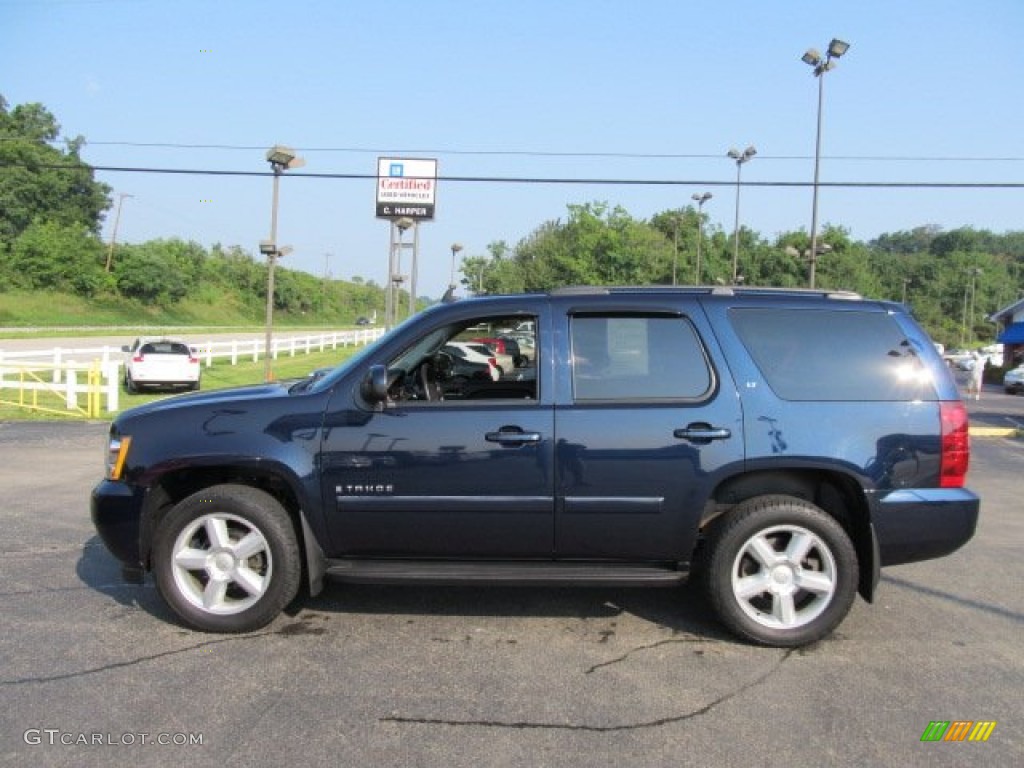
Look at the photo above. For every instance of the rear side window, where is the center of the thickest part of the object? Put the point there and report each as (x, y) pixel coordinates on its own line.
(637, 358)
(833, 355)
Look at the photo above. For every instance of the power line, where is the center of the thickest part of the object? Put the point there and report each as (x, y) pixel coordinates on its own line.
(549, 180)
(543, 179)
(547, 153)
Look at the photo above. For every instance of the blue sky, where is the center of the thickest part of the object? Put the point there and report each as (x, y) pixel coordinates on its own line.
(930, 91)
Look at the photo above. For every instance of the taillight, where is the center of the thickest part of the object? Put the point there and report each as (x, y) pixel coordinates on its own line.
(137, 359)
(492, 361)
(193, 359)
(956, 444)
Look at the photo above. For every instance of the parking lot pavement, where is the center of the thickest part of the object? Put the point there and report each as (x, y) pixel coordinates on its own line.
(94, 672)
(995, 414)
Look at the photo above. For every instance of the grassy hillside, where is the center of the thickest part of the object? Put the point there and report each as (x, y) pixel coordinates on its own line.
(216, 309)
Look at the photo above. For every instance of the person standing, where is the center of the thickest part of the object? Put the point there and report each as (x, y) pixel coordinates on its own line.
(977, 376)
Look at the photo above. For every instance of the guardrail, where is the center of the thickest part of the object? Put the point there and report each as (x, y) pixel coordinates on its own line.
(53, 371)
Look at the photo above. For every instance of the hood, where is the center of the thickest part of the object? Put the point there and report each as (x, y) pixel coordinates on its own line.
(213, 398)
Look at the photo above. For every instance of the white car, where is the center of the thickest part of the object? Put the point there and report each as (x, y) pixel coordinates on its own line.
(160, 363)
(1013, 381)
(474, 353)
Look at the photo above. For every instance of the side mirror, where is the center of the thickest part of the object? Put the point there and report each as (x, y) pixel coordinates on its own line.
(126, 348)
(374, 388)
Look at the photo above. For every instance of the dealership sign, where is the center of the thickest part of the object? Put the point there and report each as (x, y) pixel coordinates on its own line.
(406, 187)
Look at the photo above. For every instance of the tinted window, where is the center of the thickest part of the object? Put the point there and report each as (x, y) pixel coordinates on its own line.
(164, 348)
(637, 358)
(833, 355)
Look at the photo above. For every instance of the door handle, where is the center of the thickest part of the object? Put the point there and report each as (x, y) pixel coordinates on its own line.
(512, 436)
(702, 433)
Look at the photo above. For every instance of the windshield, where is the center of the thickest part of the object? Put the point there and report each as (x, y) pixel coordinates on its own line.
(318, 383)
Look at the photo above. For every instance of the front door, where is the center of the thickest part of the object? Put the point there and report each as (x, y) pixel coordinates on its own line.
(466, 471)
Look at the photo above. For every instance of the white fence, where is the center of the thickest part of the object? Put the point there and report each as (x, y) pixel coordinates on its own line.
(96, 371)
(67, 381)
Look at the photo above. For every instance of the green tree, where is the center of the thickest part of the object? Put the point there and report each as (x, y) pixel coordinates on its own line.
(598, 245)
(59, 256)
(144, 272)
(40, 182)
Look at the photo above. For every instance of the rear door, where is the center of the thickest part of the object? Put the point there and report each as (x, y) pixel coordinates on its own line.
(647, 422)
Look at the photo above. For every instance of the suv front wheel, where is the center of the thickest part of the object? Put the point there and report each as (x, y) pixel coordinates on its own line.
(780, 571)
(226, 559)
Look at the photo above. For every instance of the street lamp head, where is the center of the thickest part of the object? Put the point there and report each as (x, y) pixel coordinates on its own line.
(456, 247)
(268, 247)
(837, 48)
(284, 250)
(812, 58)
(702, 198)
(403, 223)
(741, 157)
(283, 157)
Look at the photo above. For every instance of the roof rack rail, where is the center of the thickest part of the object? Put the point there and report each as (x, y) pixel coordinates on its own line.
(580, 290)
(714, 290)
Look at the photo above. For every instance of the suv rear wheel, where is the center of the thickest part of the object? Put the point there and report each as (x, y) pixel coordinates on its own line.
(780, 571)
(226, 559)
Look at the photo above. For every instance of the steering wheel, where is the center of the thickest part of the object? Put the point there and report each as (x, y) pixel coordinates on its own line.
(428, 380)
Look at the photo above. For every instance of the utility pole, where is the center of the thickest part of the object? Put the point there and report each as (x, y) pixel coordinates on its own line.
(113, 235)
(327, 275)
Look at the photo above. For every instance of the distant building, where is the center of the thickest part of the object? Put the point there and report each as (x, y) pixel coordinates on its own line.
(1011, 332)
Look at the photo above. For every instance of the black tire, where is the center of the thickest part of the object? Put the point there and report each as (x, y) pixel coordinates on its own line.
(129, 385)
(806, 593)
(245, 564)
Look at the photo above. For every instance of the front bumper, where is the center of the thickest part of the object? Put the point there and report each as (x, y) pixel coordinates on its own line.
(923, 523)
(117, 514)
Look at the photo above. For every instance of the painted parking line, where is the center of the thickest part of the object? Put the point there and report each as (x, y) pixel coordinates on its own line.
(995, 431)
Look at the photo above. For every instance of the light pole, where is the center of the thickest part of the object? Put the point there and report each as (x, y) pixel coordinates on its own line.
(740, 158)
(456, 247)
(701, 198)
(675, 247)
(281, 158)
(269, 249)
(969, 291)
(820, 65)
(113, 235)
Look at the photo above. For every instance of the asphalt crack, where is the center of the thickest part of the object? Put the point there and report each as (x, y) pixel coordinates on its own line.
(583, 727)
(638, 649)
(289, 630)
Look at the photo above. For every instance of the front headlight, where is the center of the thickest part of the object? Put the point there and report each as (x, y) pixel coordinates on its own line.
(117, 453)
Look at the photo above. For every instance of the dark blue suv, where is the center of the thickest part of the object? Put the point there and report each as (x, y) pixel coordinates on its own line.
(782, 445)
